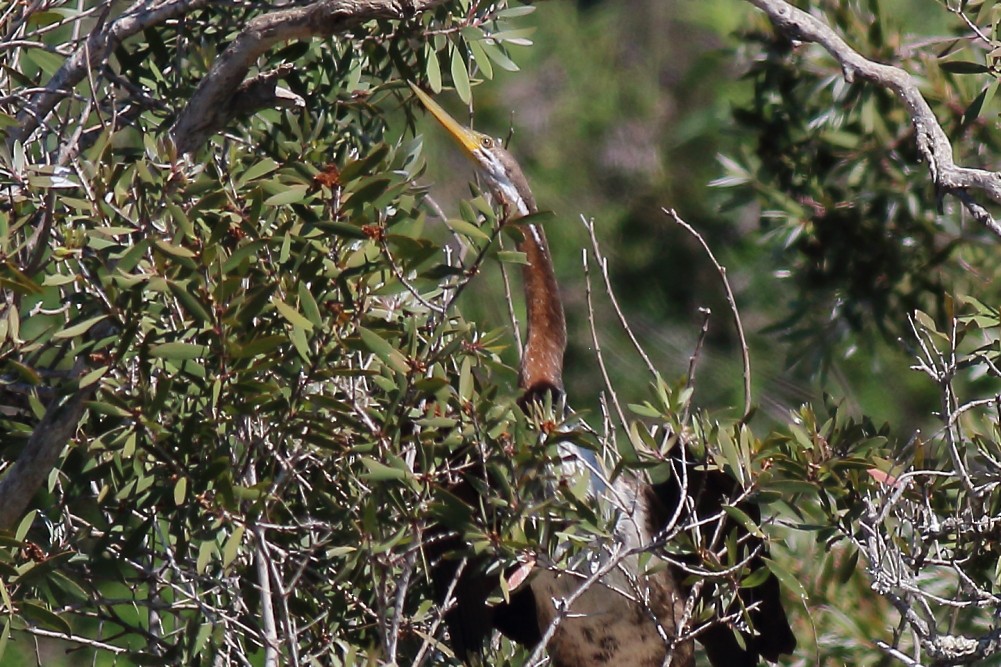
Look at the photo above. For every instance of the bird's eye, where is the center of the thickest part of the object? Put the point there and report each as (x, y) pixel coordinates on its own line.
(487, 142)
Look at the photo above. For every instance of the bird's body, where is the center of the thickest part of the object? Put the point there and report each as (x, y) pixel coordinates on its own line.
(624, 617)
(621, 618)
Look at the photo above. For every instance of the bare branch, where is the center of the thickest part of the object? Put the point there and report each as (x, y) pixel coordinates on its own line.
(216, 101)
(76, 639)
(932, 141)
(693, 361)
(603, 265)
(745, 355)
(263, 92)
(613, 395)
(267, 606)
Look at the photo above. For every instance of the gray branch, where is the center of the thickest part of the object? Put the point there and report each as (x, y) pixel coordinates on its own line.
(263, 92)
(32, 467)
(92, 54)
(218, 97)
(932, 141)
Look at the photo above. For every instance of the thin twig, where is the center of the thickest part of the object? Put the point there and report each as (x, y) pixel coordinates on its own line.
(510, 306)
(76, 639)
(603, 265)
(447, 603)
(721, 270)
(693, 361)
(597, 346)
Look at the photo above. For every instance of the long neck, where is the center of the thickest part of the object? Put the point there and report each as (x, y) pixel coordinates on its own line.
(542, 362)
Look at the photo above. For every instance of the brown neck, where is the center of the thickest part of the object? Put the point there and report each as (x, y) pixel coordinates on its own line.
(541, 369)
(542, 362)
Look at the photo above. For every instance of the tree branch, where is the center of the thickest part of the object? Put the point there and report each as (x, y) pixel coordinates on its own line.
(932, 142)
(215, 102)
(19, 485)
(263, 92)
(92, 54)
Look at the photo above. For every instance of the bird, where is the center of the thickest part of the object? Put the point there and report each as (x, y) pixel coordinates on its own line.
(623, 618)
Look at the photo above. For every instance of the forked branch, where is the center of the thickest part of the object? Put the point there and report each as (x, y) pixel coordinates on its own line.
(215, 102)
(932, 142)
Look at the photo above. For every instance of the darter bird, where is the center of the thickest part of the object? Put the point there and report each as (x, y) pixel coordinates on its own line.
(629, 619)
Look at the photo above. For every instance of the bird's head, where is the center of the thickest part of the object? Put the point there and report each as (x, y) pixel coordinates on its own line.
(495, 164)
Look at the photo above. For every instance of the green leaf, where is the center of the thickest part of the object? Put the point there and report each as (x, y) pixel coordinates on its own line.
(460, 77)
(370, 189)
(292, 194)
(433, 72)
(206, 550)
(11, 276)
(180, 491)
(364, 165)
(343, 229)
(179, 351)
(260, 345)
(265, 166)
(37, 613)
(294, 317)
(47, 62)
(298, 337)
(536, 218)
(500, 59)
(190, 302)
(24, 525)
(379, 346)
(512, 257)
(964, 67)
(515, 12)
(380, 472)
(973, 110)
(78, 329)
(517, 37)
(232, 546)
(335, 552)
(26, 373)
(175, 251)
(743, 519)
(786, 578)
(466, 229)
(755, 578)
(5, 635)
(645, 410)
(69, 586)
(481, 58)
(93, 376)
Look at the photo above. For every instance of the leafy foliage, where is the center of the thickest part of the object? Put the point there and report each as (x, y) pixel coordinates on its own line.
(281, 386)
(283, 395)
(845, 200)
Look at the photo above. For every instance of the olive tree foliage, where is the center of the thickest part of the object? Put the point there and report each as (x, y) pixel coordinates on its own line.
(237, 372)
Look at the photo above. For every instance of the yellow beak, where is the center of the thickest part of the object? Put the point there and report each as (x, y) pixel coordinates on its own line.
(468, 139)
